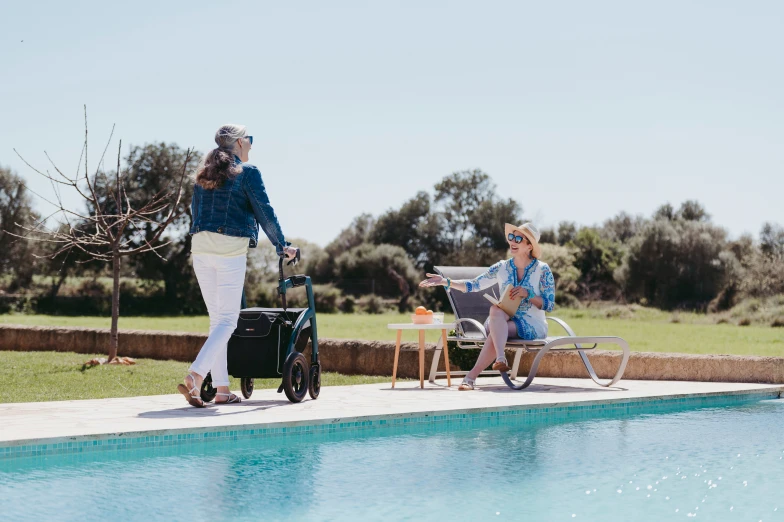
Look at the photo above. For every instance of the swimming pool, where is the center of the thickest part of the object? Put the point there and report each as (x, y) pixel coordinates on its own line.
(714, 463)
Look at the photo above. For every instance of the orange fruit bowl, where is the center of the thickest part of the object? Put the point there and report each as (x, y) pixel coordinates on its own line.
(422, 319)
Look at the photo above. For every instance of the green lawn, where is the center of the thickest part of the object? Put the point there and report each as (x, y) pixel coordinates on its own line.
(664, 336)
(46, 376)
(54, 376)
(644, 329)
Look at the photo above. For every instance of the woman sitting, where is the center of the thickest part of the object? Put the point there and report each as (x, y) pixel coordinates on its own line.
(530, 278)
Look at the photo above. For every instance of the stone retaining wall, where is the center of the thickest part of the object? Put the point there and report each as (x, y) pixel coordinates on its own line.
(375, 357)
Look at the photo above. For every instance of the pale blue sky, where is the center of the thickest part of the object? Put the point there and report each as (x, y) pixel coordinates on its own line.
(576, 109)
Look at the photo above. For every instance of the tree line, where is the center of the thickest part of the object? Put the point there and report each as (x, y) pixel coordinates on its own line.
(676, 258)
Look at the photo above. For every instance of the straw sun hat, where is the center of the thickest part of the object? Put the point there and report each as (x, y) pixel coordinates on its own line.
(529, 231)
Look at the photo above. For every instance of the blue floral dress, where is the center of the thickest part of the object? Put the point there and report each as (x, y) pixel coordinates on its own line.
(537, 279)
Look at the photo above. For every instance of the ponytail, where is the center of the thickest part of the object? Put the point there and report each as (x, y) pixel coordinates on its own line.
(218, 164)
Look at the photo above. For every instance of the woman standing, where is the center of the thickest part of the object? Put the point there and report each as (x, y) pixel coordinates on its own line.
(229, 203)
(531, 279)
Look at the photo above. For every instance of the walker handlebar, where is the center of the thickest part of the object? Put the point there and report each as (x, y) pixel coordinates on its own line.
(292, 262)
(281, 286)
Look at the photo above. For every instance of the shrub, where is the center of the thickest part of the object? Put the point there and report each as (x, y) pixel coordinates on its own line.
(18, 304)
(474, 253)
(431, 298)
(348, 305)
(92, 297)
(375, 305)
(561, 260)
(675, 263)
(597, 259)
(463, 359)
(623, 227)
(548, 235)
(564, 300)
(94, 289)
(326, 298)
(16, 210)
(772, 240)
(746, 308)
(758, 310)
(262, 294)
(619, 312)
(762, 276)
(385, 270)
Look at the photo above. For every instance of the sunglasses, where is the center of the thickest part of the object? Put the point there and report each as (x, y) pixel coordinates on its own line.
(516, 239)
(250, 139)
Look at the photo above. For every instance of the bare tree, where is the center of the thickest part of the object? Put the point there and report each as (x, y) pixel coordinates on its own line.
(101, 233)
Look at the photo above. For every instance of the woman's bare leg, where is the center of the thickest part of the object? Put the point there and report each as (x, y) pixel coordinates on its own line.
(485, 359)
(498, 331)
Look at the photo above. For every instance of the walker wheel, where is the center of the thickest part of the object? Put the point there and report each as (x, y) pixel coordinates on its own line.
(295, 377)
(314, 384)
(207, 390)
(246, 384)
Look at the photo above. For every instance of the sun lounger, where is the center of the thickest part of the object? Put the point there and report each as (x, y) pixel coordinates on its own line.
(471, 310)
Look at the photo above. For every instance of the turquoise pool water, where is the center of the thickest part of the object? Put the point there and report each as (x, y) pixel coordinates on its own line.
(718, 463)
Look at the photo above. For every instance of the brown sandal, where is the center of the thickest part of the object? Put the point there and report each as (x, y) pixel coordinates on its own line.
(193, 400)
(501, 366)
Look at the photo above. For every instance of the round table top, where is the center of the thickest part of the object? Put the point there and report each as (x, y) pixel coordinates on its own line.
(412, 326)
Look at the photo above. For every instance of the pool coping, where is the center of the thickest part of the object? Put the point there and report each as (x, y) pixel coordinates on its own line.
(549, 411)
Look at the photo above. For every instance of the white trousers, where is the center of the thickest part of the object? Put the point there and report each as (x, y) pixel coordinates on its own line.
(221, 280)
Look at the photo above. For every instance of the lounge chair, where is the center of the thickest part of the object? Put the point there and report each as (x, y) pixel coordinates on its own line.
(471, 310)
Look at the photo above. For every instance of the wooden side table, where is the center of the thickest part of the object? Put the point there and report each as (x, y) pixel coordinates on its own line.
(422, 328)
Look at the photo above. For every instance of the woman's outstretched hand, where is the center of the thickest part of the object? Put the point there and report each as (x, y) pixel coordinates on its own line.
(432, 280)
(290, 252)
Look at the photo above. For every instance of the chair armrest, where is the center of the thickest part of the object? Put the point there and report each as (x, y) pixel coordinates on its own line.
(563, 325)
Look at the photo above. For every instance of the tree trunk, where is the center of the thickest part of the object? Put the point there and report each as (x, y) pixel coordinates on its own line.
(402, 284)
(56, 286)
(114, 341)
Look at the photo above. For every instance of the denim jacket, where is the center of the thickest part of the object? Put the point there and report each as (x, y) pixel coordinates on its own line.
(237, 208)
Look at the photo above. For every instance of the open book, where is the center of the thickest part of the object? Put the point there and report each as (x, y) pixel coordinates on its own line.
(506, 303)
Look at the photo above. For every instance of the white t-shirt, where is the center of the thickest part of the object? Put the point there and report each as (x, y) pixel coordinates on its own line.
(215, 244)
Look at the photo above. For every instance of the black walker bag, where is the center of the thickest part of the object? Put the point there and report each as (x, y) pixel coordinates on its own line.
(257, 348)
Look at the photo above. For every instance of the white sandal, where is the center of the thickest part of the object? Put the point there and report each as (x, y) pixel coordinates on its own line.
(232, 399)
(467, 385)
(193, 400)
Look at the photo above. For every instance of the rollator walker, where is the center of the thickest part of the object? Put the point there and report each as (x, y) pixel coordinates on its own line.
(269, 343)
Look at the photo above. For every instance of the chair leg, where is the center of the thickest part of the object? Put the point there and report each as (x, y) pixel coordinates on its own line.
(397, 355)
(531, 373)
(516, 363)
(421, 358)
(618, 374)
(434, 364)
(446, 358)
(584, 358)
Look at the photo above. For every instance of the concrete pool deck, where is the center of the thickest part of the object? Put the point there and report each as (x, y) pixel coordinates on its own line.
(164, 416)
